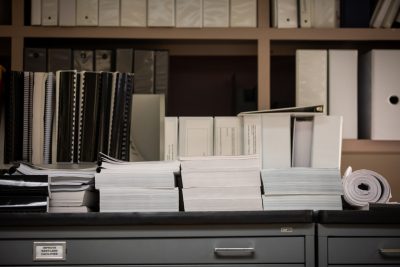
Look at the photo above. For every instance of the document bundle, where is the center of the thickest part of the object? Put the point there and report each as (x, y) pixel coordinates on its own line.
(221, 183)
(148, 186)
(24, 193)
(70, 189)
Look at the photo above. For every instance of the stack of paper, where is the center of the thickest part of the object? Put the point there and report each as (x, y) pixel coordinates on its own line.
(24, 193)
(137, 186)
(302, 188)
(71, 190)
(221, 183)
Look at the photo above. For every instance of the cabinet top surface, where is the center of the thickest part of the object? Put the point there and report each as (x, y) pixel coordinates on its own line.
(156, 218)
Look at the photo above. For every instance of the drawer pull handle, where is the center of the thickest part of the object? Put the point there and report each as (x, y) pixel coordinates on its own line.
(390, 252)
(234, 252)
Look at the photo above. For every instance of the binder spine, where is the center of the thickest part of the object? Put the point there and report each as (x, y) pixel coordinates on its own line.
(126, 117)
(30, 116)
(25, 131)
(80, 114)
(73, 128)
(48, 117)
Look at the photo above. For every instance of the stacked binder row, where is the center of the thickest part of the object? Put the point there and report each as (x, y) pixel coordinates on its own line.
(361, 88)
(69, 118)
(302, 189)
(334, 14)
(72, 190)
(24, 193)
(145, 13)
(151, 67)
(221, 183)
(148, 186)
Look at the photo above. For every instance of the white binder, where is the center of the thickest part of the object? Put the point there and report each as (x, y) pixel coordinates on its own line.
(305, 13)
(227, 136)
(195, 136)
(108, 12)
(243, 13)
(284, 13)
(170, 138)
(36, 12)
(252, 138)
(381, 9)
(215, 13)
(67, 12)
(311, 77)
(325, 14)
(49, 12)
(133, 13)
(276, 147)
(147, 126)
(87, 12)
(302, 141)
(189, 13)
(343, 86)
(161, 13)
(379, 95)
(327, 142)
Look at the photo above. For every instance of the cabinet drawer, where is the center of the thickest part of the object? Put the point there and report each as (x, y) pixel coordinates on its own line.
(364, 250)
(164, 251)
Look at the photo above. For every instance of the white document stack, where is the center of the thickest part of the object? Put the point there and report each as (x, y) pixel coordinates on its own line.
(221, 183)
(302, 189)
(137, 186)
(71, 190)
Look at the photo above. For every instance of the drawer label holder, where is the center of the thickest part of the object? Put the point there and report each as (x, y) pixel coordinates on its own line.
(49, 251)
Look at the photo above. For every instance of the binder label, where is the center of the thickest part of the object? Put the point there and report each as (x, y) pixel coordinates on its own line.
(49, 251)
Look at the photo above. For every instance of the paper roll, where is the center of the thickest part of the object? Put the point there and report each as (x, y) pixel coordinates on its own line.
(365, 186)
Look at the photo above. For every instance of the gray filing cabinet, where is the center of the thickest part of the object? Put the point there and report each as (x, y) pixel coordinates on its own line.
(359, 238)
(158, 239)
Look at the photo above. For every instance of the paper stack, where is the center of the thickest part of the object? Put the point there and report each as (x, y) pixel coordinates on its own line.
(302, 188)
(137, 186)
(221, 183)
(71, 190)
(24, 193)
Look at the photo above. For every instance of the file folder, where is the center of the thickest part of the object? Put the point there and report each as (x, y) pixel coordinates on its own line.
(35, 59)
(49, 12)
(379, 95)
(109, 12)
(215, 13)
(311, 77)
(343, 86)
(284, 13)
(59, 59)
(83, 60)
(189, 13)
(87, 13)
(243, 13)
(133, 13)
(161, 13)
(67, 12)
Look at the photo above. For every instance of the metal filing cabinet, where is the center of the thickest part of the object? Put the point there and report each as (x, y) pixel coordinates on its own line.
(166, 239)
(358, 238)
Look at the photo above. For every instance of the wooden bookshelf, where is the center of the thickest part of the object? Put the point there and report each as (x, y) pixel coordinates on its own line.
(262, 42)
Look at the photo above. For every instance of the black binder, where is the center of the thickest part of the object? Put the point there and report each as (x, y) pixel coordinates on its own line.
(355, 13)
(14, 110)
(104, 113)
(144, 71)
(89, 110)
(161, 78)
(35, 59)
(67, 109)
(103, 60)
(59, 59)
(83, 60)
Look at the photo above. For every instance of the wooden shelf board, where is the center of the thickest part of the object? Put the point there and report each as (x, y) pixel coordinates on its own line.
(370, 146)
(142, 33)
(337, 34)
